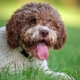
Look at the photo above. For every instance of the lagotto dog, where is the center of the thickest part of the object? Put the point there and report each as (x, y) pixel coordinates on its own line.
(36, 28)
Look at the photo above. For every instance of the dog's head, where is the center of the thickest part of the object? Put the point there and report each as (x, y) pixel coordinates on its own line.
(36, 27)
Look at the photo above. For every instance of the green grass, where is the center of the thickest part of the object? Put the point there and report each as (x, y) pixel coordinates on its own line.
(67, 59)
(29, 74)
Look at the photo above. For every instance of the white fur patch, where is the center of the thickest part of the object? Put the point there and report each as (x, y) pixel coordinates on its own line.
(35, 32)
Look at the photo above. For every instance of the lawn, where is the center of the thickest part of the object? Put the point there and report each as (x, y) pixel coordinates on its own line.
(65, 60)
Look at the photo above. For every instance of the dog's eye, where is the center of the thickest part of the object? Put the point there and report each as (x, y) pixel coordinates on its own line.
(32, 21)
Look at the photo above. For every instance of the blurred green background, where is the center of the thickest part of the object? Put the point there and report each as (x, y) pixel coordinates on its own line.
(68, 58)
(69, 9)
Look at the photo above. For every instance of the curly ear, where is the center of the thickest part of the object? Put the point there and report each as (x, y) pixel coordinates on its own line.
(12, 32)
(61, 36)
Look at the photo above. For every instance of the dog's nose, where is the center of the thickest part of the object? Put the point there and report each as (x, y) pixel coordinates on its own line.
(44, 33)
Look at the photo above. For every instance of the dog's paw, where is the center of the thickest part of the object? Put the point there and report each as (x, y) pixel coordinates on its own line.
(62, 76)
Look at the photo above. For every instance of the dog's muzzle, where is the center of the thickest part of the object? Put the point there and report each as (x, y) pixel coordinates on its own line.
(41, 39)
(44, 33)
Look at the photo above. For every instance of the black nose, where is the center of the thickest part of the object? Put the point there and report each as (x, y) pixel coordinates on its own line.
(44, 33)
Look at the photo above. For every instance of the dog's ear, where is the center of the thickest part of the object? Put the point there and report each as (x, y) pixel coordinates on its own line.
(61, 35)
(13, 31)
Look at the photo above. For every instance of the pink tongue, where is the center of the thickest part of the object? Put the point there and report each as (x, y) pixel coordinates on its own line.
(42, 51)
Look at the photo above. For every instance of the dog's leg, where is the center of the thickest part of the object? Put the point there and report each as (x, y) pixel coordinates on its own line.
(57, 75)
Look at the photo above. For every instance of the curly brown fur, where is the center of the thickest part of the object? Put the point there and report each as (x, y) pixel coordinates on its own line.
(31, 15)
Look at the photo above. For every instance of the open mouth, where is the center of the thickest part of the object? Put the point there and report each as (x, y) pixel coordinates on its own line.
(42, 50)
